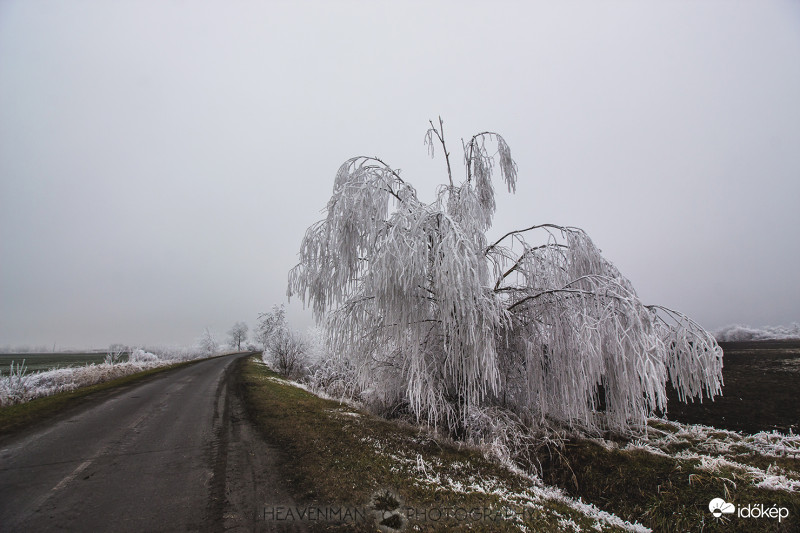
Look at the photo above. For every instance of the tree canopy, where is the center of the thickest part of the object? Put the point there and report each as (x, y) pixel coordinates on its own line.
(437, 318)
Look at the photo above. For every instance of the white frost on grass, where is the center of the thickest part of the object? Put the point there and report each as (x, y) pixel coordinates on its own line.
(311, 390)
(774, 444)
(764, 479)
(712, 441)
(17, 388)
(348, 413)
(717, 449)
(58, 380)
(644, 446)
(433, 473)
(589, 509)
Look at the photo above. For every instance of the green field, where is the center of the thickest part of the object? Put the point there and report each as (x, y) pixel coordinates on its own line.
(36, 362)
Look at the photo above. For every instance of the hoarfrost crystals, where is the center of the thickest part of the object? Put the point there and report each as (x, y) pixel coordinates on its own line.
(436, 319)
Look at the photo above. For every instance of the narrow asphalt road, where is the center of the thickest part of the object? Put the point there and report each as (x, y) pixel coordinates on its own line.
(174, 453)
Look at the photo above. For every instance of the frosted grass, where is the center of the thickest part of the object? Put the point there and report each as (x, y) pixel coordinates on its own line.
(19, 387)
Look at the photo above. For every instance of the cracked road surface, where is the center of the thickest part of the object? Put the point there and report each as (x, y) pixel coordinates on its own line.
(172, 453)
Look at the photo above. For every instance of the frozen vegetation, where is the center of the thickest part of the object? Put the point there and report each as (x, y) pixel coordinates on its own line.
(502, 437)
(716, 449)
(531, 347)
(518, 490)
(758, 464)
(19, 386)
(431, 319)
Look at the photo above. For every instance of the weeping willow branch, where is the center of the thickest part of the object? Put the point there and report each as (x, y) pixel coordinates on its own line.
(439, 135)
(534, 227)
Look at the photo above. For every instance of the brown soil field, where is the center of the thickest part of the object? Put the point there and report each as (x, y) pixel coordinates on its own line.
(761, 390)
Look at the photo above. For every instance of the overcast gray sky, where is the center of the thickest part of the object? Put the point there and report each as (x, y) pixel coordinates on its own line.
(160, 161)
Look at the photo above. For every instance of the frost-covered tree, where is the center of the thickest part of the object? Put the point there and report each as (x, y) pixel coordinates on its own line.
(237, 335)
(440, 319)
(207, 343)
(269, 324)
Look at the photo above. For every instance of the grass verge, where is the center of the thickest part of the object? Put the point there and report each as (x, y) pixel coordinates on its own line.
(391, 476)
(663, 493)
(20, 416)
(337, 456)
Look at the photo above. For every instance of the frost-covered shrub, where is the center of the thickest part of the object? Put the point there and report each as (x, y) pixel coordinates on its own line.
(328, 372)
(285, 350)
(14, 387)
(140, 356)
(20, 386)
(432, 315)
(50, 382)
(336, 377)
(177, 354)
(115, 355)
(503, 435)
(287, 354)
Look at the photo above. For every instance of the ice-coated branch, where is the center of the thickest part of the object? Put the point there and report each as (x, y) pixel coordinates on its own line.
(562, 229)
(435, 321)
(440, 136)
(694, 359)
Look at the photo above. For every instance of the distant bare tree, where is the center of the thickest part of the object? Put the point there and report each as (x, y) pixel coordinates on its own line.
(237, 335)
